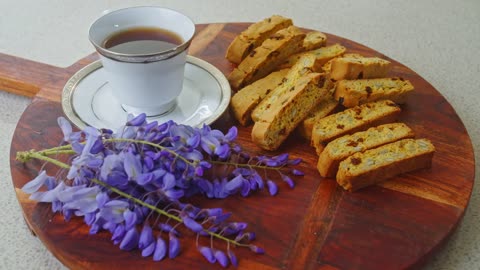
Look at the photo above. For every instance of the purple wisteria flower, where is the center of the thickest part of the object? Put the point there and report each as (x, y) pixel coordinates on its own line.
(136, 184)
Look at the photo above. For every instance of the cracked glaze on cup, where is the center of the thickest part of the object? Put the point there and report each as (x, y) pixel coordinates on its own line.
(147, 83)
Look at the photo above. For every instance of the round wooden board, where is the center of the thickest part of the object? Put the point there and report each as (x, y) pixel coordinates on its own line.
(317, 225)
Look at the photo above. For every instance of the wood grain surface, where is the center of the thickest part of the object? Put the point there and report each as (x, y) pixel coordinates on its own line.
(398, 224)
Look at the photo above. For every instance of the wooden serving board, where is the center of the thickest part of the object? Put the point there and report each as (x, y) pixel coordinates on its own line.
(396, 225)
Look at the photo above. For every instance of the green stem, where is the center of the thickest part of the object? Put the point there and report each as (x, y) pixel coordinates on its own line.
(37, 155)
(244, 165)
(135, 200)
(25, 156)
(194, 163)
(159, 211)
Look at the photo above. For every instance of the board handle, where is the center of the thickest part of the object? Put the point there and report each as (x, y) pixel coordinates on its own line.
(24, 77)
(29, 78)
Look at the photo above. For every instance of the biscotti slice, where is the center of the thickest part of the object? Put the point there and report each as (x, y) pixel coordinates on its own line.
(266, 58)
(351, 93)
(247, 98)
(376, 165)
(287, 112)
(254, 36)
(352, 120)
(324, 108)
(343, 147)
(328, 65)
(359, 68)
(301, 68)
(323, 55)
(314, 40)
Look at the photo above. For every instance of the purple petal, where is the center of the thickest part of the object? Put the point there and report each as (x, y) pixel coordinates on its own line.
(282, 158)
(48, 196)
(148, 161)
(192, 224)
(288, 180)
(174, 194)
(137, 120)
(239, 226)
(213, 211)
(66, 128)
(102, 198)
(146, 237)
(233, 258)
(160, 250)
(256, 249)
(245, 188)
(194, 141)
(297, 172)
(221, 218)
(132, 165)
(295, 161)
(222, 151)
(207, 253)
(259, 180)
(221, 258)
(231, 134)
(234, 184)
(89, 218)
(272, 187)
(147, 251)
(97, 147)
(173, 246)
(167, 228)
(168, 181)
(130, 240)
(36, 183)
(144, 179)
(130, 219)
(118, 233)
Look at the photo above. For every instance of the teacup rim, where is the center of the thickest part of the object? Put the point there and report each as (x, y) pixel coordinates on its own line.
(141, 58)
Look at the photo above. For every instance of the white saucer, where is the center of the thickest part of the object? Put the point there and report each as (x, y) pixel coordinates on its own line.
(87, 98)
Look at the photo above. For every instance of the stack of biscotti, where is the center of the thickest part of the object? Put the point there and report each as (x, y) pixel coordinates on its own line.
(247, 98)
(355, 80)
(323, 55)
(286, 112)
(378, 164)
(304, 66)
(264, 59)
(347, 145)
(352, 120)
(254, 36)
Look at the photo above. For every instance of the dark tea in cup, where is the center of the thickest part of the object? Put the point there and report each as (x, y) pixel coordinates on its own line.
(142, 40)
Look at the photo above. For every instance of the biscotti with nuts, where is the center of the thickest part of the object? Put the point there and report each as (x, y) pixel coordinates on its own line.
(266, 58)
(322, 55)
(358, 68)
(287, 112)
(247, 98)
(254, 36)
(345, 146)
(327, 67)
(351, 93)
(352, 120)
(314, 40)
(324, 108)
(302, 67)
(376, 165)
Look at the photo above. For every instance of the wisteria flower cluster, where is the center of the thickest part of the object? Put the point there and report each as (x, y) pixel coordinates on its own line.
(135, 183)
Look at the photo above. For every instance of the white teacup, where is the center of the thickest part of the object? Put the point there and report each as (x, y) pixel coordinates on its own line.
(147, 82)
